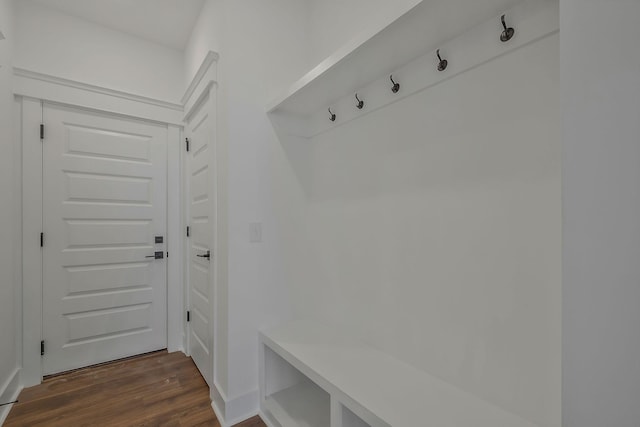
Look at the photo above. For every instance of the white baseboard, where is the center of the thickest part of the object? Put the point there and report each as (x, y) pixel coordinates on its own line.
(233, 411)
(9, 393)
(218, 412)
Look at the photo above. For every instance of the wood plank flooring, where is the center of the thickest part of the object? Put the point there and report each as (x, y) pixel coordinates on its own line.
(157, 389)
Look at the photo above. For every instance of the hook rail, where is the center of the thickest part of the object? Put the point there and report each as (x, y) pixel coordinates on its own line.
(506, 35)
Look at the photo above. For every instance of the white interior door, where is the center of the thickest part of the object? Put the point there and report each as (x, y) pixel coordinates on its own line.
(104, 204)
(201, 206)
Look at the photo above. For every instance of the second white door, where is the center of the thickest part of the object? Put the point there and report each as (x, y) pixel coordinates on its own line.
(104, 291)
(201, 206)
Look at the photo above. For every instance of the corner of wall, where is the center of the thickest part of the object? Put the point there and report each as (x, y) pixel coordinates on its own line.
(233, 411)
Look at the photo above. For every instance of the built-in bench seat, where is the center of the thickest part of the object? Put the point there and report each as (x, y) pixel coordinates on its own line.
(316, 376)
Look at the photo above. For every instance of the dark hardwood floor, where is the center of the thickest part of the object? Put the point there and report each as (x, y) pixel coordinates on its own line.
(157, 389)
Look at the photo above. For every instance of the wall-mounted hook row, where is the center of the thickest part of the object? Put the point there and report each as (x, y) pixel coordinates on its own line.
(506, 35)
(332, 116)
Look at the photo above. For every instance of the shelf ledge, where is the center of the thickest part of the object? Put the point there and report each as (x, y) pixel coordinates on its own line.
(467, 33)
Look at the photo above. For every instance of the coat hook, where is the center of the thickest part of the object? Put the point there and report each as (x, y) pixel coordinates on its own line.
(508, 33)
(360, 103)
(396, 86)
(332, 116)
(443, 62)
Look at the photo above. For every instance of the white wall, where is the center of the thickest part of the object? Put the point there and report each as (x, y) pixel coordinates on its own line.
(435, 223)
(334, 22)
(7, 224)
(348, 219)
(255, 67)
(262, 46)
(54, 43)
(601, 228)
(206, 36)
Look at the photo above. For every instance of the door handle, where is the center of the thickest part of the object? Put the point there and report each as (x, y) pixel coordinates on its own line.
(157, 255)
(207, 255)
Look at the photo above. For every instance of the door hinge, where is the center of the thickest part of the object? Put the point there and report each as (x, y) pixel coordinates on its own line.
(42, 131)
(41, 348)
(188, 231)
(187, 143)
(188, 316)
(42, 240)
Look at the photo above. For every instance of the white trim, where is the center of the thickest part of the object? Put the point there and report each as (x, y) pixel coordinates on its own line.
(34, 75)
(9, 393)
(208, 60)
(219, 414)
(235, 410)
(30, 84)
(242, 407)
(175, 305)
(192, 106)
(31, 228)
(218, 397)
(184, 209)
(17, 231)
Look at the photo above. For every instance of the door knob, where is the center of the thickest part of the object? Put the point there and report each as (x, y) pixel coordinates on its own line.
(207, 255)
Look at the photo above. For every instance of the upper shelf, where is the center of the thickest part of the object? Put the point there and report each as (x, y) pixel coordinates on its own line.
(382, 49)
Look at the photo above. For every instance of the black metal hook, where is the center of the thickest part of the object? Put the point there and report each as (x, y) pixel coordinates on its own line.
(360, 103)
(396, 86)
(332, 116)
(442, 65)
(508, 33)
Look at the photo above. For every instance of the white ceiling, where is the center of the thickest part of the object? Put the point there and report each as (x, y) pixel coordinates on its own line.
(168, 22)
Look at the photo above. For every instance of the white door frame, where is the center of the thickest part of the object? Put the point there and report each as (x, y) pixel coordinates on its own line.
(202, 87)
(33, 89)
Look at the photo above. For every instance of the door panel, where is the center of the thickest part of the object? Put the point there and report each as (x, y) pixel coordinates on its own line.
(201, 206)
(104, 203)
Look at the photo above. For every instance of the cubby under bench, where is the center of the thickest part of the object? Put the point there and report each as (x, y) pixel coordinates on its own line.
(315, 376)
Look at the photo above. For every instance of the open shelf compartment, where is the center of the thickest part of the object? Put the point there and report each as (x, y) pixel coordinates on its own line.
(290, 398)
(349, 419)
